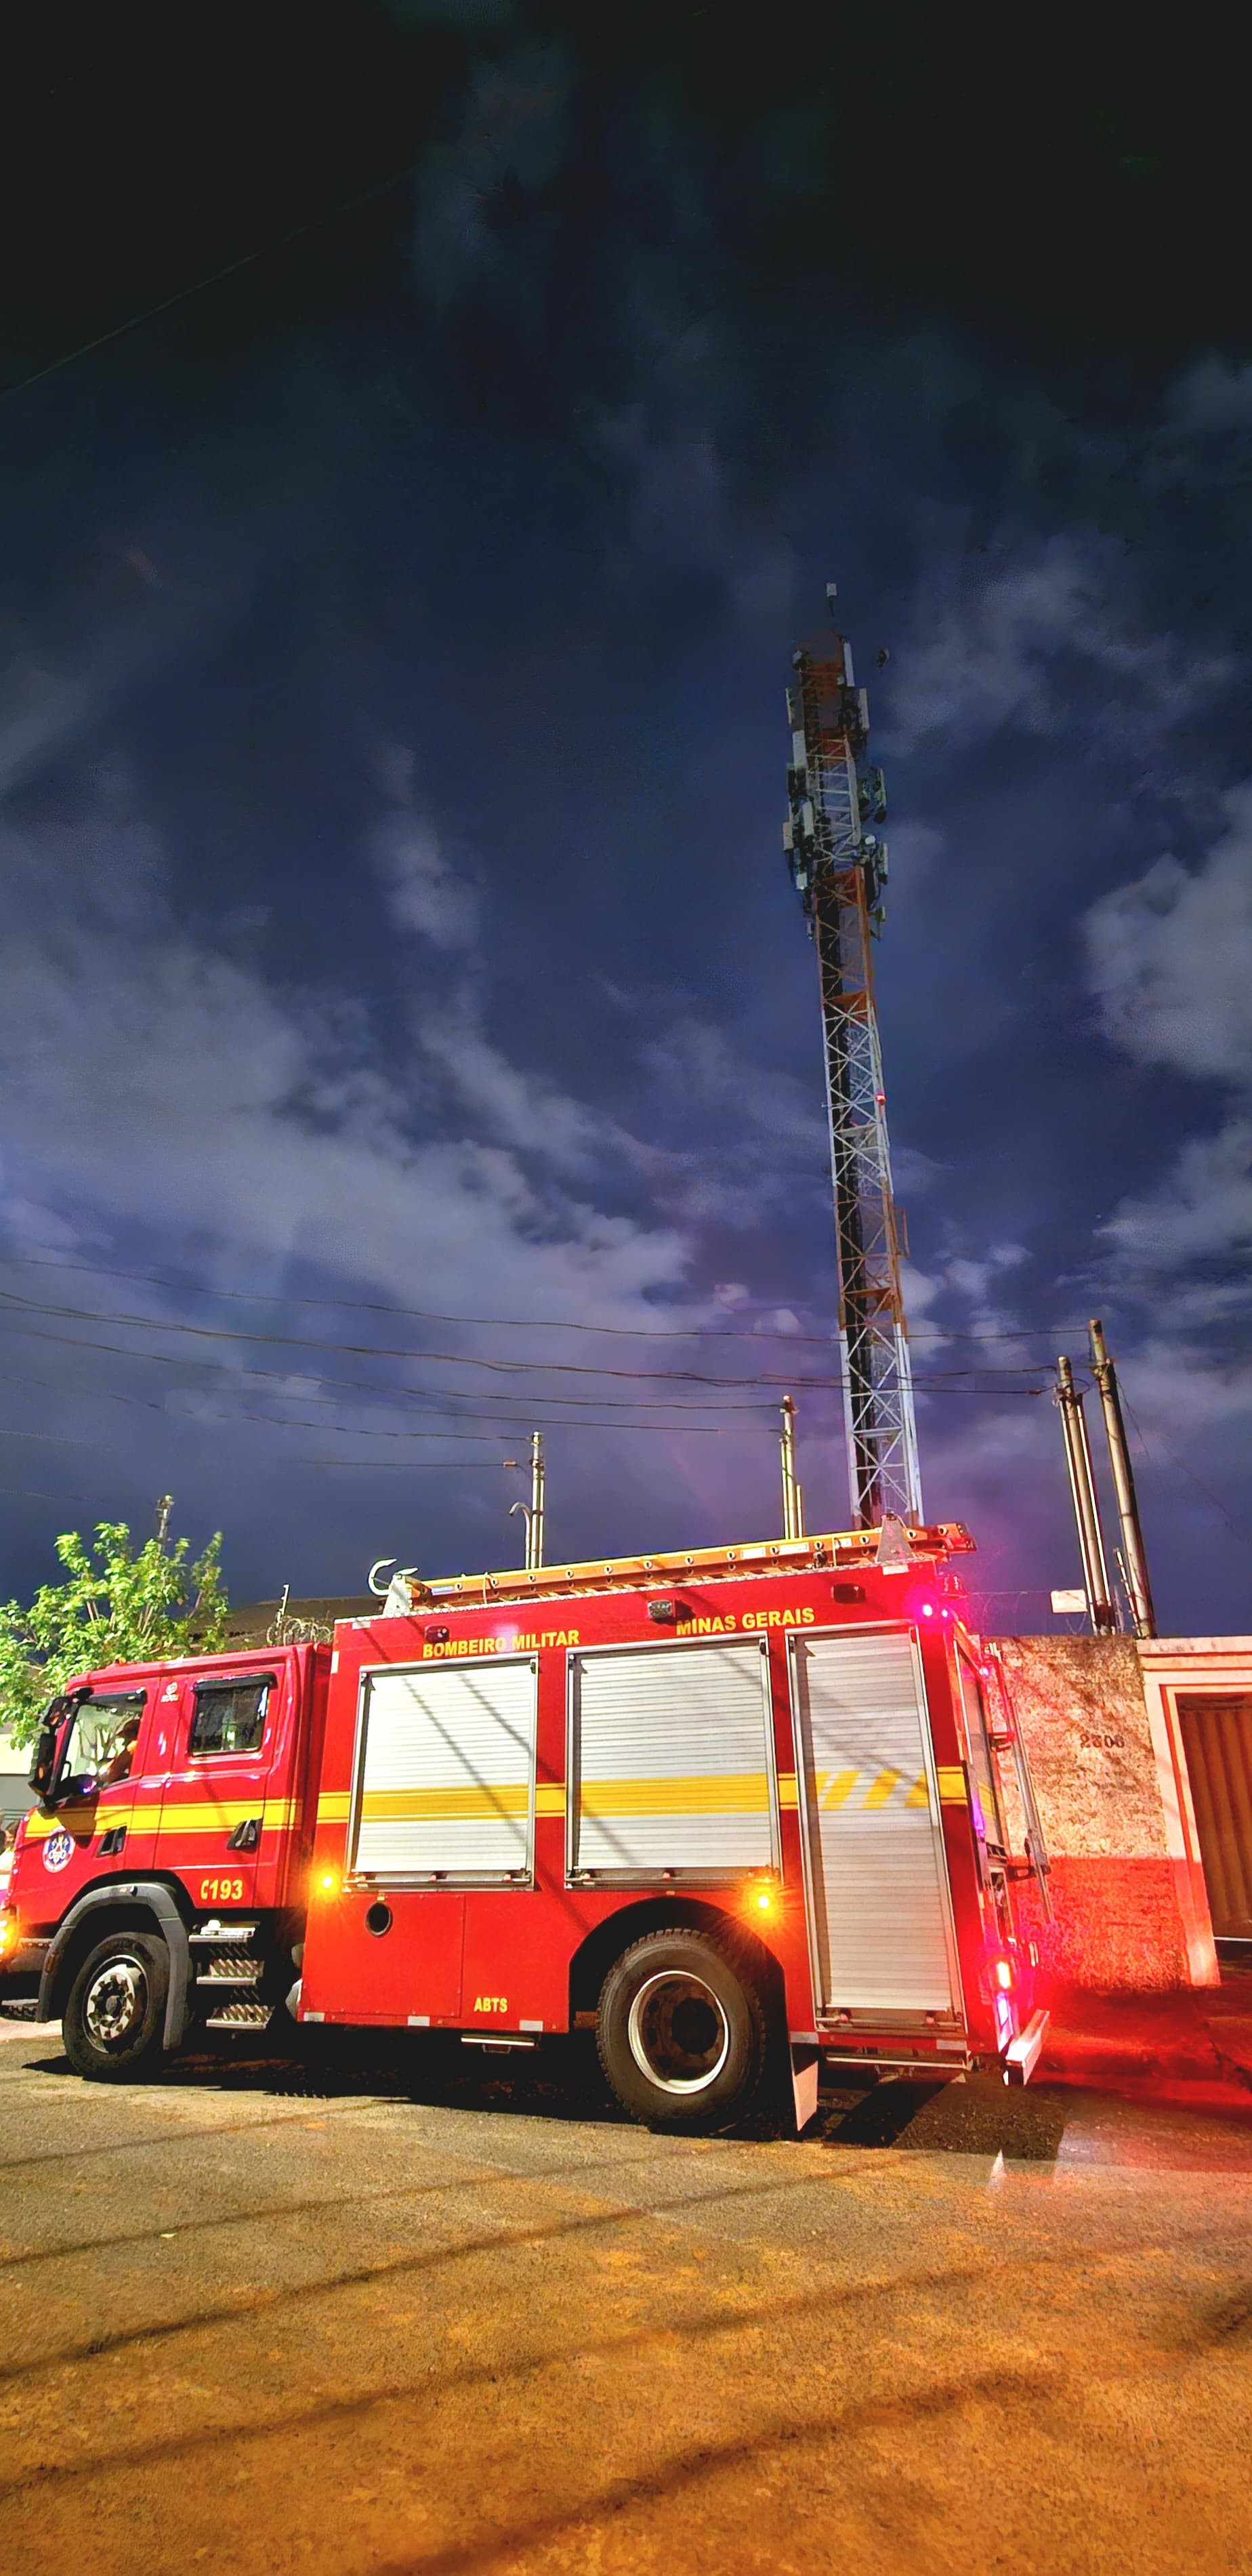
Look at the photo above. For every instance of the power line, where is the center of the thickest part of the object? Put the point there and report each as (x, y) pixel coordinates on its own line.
(630, 1404)
(449, 1359)
(522, 1323)
(458, 1397)
(1237, 1529)
(201, 285)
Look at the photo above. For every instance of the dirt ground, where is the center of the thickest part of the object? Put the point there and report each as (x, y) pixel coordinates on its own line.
(406, 2311)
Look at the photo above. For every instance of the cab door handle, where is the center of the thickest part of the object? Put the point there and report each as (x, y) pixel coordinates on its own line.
(246, 1836)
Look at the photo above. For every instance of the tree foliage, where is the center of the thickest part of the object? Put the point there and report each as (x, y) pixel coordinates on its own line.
(118, 1605)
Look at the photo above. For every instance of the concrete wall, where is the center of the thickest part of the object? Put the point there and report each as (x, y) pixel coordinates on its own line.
(14, 1793)
(1130, 1907)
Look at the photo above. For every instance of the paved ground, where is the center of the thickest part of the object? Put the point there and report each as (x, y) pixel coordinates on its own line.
(415, 2314)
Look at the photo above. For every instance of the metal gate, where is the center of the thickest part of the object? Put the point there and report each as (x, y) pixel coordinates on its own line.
(671, 1762)
(445, 1782)
(1217, 1743)
(877, 1884)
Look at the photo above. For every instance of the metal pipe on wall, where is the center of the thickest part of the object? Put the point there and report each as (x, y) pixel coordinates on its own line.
(1095, 1573)
(1132, 1555)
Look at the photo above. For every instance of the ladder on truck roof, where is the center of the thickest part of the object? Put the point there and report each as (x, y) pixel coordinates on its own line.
(836, 1549)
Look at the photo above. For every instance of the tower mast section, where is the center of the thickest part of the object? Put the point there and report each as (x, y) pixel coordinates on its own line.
(838, 865)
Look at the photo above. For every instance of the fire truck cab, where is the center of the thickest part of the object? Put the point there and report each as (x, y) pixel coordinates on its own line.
(731, 1809)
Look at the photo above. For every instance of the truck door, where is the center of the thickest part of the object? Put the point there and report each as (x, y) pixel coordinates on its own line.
(106, 1809)
(215, 1832)
(879, 1907)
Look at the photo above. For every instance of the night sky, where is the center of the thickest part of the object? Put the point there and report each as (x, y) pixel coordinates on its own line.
(405, 1011)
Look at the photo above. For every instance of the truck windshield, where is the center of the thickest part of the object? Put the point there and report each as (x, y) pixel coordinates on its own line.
(99, 1746)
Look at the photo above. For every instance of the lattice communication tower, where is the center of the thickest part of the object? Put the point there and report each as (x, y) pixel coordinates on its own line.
(838, 865)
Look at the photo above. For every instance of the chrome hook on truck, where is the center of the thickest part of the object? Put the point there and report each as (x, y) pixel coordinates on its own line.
(397, 1596)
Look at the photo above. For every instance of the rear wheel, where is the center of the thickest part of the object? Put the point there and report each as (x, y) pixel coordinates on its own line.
(113, 2022)
(681, 2031)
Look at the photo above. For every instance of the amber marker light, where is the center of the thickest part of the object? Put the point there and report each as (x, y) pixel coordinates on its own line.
(765, 1902)
(328, 1882)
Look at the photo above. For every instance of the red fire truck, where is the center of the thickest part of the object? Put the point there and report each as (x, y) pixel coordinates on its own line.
(716, 1807)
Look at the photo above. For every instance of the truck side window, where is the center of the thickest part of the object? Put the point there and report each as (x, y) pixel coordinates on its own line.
(99, 1747)
(230, 1716)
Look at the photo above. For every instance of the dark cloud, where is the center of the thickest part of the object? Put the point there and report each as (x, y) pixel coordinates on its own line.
(393, 638)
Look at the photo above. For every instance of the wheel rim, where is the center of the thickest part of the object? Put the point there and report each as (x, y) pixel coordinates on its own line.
(678, 2032)
(116, 2002)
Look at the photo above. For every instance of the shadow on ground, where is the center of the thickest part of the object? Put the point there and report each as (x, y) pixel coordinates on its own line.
(977, 2115)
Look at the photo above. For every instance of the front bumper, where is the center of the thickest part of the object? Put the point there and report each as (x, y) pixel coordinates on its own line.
(22, 1957)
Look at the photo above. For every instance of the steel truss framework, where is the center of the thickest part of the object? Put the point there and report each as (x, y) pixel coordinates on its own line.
(839, 869)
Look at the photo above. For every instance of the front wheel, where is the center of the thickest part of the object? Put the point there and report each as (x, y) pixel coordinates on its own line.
(113, 2022)
(681, 2031)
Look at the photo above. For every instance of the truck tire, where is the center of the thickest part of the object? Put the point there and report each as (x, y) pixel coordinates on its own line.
(681, 2031)
(113, 2023)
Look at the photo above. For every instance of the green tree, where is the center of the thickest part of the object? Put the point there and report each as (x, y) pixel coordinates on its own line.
(118, 1605)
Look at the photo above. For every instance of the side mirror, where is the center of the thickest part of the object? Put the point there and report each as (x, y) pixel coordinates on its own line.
(43, 1763)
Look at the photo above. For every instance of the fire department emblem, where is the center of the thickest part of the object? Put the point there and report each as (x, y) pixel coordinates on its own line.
(58, 1851)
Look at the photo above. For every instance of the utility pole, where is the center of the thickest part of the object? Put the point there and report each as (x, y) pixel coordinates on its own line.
(839, 870)
(1132, 1556)
(792, 1492)
(538, 1489)
(533, 1511)
(164, 1506)
(1095, 1573)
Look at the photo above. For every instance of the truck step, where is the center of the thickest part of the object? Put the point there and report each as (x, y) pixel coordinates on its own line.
(231, 1976)
(240, 2016)
(233, 1935)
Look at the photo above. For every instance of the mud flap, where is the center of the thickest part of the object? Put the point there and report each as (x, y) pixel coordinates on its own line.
(804, 2064)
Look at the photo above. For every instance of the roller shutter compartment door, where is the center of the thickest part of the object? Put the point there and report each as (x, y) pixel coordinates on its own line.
(877, 1876)
(671, 1761)
(446, 1772)
(1217, 1743)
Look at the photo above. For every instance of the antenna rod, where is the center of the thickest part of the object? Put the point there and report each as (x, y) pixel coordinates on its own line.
(1132, 1555)
(792, 1494)
(1095, 1574)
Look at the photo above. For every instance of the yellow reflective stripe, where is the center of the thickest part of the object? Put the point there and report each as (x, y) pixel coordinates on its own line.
(834, 1788)
(280, 1813)
(178, 1816)
(708, 1793)
(333, 1806)
(396, 1806)
(207, 1817)
(882, 1788)
(952, 1786)
(788, 1789)
(70, 1820)
(550, 1798)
